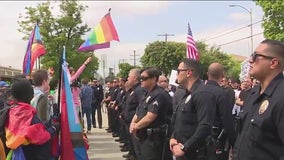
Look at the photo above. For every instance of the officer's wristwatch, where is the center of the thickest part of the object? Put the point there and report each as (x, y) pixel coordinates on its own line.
(184, 149)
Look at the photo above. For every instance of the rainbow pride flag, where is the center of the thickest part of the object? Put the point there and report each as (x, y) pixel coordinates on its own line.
(101, 35)
(34, 50)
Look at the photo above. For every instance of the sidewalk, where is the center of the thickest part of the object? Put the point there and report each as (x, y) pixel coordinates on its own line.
(102, 144)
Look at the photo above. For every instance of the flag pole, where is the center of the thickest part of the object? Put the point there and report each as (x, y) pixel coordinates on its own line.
(60, 78)
(38, 59)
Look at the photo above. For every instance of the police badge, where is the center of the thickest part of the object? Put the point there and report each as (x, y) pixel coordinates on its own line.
(263, 107)
(187, 99)
(147, 99)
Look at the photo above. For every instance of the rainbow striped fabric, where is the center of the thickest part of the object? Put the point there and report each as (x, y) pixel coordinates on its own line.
(101, 35)
(34, 50)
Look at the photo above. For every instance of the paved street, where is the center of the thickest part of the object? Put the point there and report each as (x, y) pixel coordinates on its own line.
(102, 144)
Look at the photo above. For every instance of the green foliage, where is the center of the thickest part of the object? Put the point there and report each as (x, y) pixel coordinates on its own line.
(164, 55)
(273, 20)
(124, 69)
(211, 54)
(167, 55)
(65, 29)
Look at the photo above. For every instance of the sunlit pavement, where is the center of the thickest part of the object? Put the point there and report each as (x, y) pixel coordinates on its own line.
(102, 144)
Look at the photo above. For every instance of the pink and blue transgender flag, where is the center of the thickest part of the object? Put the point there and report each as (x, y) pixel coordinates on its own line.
(191, 49)
(72, 146)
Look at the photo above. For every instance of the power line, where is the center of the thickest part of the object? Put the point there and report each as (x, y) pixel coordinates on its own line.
(166, 36)
(229, 32)
(239, 39)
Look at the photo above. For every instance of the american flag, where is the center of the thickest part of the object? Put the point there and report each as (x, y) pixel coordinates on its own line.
(191, 50)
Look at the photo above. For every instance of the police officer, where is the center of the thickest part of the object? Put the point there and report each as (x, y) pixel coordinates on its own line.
(117, 106)
(261, 135)
(133, 98)
(222, 132)
(192, 117)
(149, 122)
(107, 100)
(97, 100)
(111, 107)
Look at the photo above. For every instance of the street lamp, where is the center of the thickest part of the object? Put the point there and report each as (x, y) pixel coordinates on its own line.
(250, 13)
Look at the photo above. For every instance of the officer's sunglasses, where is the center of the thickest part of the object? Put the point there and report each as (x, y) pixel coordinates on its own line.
(180, 70)
(255, 55)
(142, 78)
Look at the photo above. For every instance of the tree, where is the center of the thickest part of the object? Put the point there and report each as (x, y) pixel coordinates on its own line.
(164, 55)
(65, 29)
(167, 55)
(210, 54)
(273, 20)
(124, 69)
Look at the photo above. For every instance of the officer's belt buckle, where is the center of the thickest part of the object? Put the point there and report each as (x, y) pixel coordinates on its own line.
(151, 131)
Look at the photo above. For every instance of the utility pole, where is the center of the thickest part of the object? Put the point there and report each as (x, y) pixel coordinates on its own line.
(166, 36)
(104, 66)
(121, 61)
(250, 13)
(134, 57)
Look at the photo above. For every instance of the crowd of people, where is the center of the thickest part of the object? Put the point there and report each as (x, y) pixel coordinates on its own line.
(214, 119)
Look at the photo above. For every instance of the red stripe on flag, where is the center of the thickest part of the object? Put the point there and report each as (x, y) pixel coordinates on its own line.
(112, 27)
(66, 147)
(192, 51)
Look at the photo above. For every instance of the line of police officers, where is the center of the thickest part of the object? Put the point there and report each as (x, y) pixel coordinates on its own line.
(202, 124)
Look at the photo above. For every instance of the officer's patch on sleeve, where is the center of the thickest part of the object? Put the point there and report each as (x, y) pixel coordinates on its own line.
(147, 99)
(263, 106)
(187, 99)
(155, 103)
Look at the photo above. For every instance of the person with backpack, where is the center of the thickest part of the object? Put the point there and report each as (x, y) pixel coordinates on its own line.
(26, 136)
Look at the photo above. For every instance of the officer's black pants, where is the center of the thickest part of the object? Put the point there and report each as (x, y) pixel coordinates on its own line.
(221, 155)
(97, 107)
(152, 147)
(122, 130)
(116, 122)
(129, 142)
(111, 120)
(194, 155)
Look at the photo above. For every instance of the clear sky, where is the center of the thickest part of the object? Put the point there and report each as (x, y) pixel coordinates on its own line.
(139, 23)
